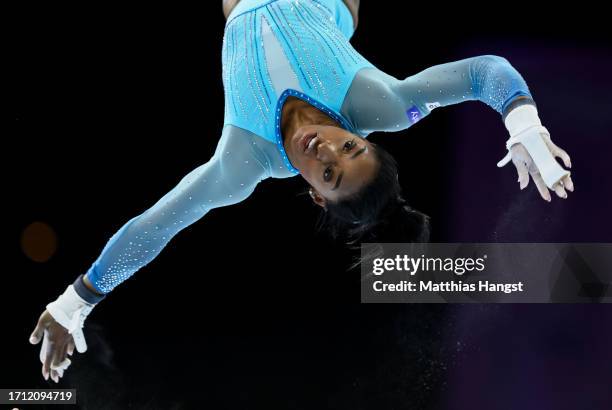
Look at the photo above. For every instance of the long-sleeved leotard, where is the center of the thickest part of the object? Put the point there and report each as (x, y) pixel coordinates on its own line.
(273, 49)
(380, 102)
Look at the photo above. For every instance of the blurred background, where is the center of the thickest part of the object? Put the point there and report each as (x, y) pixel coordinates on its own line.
(112, 105)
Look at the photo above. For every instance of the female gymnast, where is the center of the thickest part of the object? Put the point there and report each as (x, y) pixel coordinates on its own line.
(300, 100)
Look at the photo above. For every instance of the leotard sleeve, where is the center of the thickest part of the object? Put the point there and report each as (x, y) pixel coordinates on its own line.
(230, 176)
(377, 101)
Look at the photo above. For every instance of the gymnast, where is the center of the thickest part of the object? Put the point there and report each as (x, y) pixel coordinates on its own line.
(300, 100)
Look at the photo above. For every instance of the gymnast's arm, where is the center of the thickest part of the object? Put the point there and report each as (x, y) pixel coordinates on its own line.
(230, 176)
(377, 101)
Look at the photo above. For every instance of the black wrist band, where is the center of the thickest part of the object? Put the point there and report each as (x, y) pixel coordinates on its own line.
(84, 292)
(517, 103)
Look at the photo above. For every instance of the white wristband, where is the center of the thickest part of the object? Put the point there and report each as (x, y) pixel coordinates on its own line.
(521, 118)
(70, 311)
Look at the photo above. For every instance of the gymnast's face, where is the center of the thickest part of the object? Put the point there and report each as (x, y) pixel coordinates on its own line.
(335, 162)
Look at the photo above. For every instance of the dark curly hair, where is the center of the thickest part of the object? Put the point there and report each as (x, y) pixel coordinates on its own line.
(378, 212)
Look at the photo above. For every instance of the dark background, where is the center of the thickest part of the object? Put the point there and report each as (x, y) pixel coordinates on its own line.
(250, 307)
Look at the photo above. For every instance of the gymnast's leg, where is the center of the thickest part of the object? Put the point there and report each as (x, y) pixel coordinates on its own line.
(228, 6)
(353, 6)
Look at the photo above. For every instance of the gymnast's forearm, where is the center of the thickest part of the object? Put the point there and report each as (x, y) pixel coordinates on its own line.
(137, 243)
(498, 84)
(103, 275)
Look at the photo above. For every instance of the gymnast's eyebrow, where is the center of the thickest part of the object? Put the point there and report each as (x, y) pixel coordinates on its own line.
(361, 151)
(338, 181)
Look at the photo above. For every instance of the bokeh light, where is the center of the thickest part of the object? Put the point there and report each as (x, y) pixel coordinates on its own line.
(39, 242)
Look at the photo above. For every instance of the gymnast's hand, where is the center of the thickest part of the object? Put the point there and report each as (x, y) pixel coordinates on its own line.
(57, 345)
(533, 153)
(526, 166)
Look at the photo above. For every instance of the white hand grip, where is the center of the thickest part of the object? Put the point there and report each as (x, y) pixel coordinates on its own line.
(525, 128)
(544, 160)
(70, 311)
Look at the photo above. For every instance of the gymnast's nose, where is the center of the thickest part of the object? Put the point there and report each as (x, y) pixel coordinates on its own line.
(326, 151)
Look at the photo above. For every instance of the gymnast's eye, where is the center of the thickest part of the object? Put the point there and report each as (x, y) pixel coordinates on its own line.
(327, 174)
(348, 145)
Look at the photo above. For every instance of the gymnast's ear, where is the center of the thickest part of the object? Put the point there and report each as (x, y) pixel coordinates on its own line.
(317, 198)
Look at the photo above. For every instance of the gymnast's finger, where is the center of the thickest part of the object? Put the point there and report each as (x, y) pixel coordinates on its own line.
(560, 153)
(70, 347)
(44, 347)
(38, 333)
(559, 190)
(56, 362)
(568, 183)
(523, 173)
(48, 356)
(542, 188)
(61, 361)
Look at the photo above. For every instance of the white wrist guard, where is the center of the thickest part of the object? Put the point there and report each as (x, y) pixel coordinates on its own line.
(70, 311)
(525, 127)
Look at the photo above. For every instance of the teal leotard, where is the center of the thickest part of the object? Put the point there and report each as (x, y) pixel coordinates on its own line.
(273, 49)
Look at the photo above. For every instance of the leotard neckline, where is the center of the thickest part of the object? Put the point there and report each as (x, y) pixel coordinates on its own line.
(336, 116)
